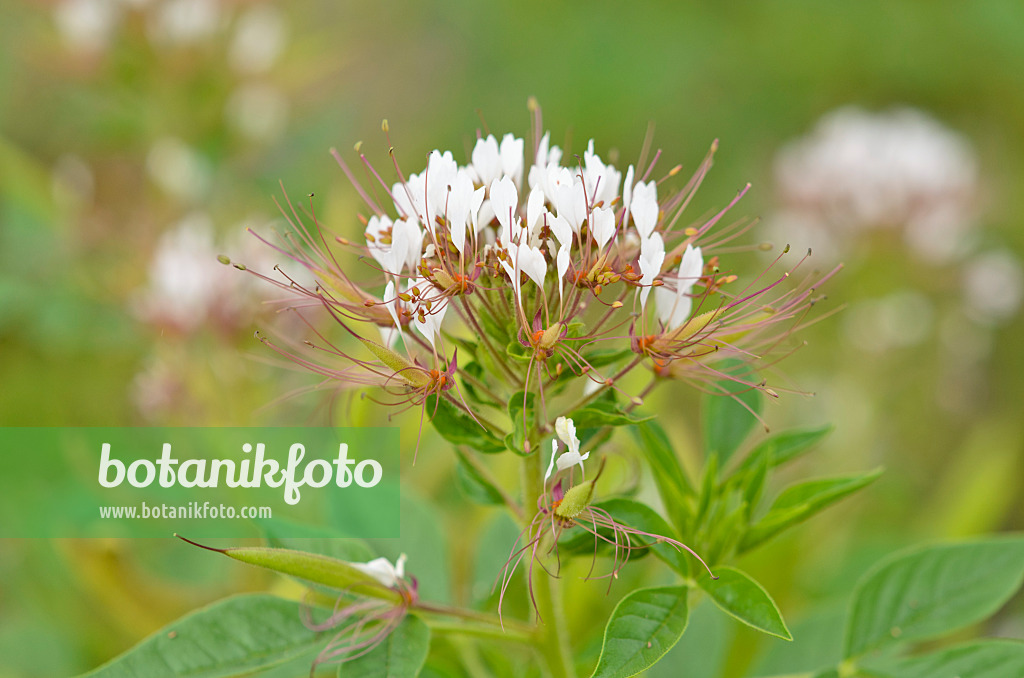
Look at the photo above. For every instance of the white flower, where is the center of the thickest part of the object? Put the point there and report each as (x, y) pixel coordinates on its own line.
(383, 571)
(674, 305)
(644, 207)
(524, 259)
(569, 196)
(652, 256)
(546, 155)
(565, 429)
(602, 181)
(430, 328)
(491, 162)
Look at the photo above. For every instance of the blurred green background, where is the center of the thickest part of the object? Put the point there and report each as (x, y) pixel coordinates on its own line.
(139, 137)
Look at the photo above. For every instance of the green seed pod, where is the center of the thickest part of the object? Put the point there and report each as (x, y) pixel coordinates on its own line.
(576, 499)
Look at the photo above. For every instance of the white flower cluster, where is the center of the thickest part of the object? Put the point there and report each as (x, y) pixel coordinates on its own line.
(541, 236)
(858, 170)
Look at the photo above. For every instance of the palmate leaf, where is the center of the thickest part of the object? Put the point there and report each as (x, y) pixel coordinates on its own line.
(673, 486)
(934, 590)
(643, 627)
(233, 636)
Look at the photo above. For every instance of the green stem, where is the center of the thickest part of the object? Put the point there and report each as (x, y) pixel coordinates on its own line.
(552, 635)
(463, 629)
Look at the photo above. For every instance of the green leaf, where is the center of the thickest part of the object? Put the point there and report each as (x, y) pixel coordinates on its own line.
(801, 501)
(457, 428)
(401, 655)
(781, 448)
(636, 515)
(232, 636)
(980, 659)
(643, 627)
(934, 590)
(474, 369)
(473, 484)
(728, 414)
(604, 413)
(737, 594)
(674, 487)
(516, 440)
(753, 486)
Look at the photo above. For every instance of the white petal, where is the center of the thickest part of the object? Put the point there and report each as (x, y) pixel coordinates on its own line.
(400, 565)
(391, 304)
(571, 458)
(644, 208)
(380, 251)
(652, 256)
(561, 229)
(504, 201)
(380, 569)
(571, 202)
(691, 267)
(674, 306)
(535, 209)
(563, 266)
(486, 160)
(627, 192)
(565, 429)
(512, 158)
(533, 264)
(603, 227)
(551, 464)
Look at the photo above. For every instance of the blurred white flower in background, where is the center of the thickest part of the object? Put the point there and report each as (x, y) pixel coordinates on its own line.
(260, 36)
(86, 25)
(178, 169)
(993, 286)
(858, 171)
(190, 288)
(182, 22)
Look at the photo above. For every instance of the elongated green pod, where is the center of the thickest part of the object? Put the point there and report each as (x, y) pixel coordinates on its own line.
(312, 567)
(402, 367)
